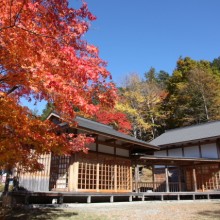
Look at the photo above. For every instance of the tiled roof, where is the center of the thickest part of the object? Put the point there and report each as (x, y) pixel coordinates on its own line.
(189, 134)
(106, 130)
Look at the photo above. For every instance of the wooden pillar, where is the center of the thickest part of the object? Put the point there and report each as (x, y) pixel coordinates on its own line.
(73, 177)
(194, 179)
(115, 178)
(111, 199)
(136, 177)
(167, 179)
(89, 199)
(70, 178)
(131, 179)
(97, 177)
(153, 178)
(179, 179)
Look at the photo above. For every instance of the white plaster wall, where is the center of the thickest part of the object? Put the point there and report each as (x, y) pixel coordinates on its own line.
(209, 150)
(175, 152)
(191, 151)
(160, 153)
(122, 152)
(106, 149)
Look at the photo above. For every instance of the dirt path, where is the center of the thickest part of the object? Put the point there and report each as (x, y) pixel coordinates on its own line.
(172, 210)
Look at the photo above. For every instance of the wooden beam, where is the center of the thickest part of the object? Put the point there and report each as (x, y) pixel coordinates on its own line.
(200, 150)
(110, 140)
(143, 145)
(91, 135)
(127, 145)
(218, 147)
(112, 145)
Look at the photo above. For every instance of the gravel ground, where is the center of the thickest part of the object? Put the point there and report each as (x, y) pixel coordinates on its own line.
(177, 210)
(156, 210)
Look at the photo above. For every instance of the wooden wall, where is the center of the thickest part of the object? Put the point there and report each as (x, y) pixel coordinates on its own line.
(207, 177)
(37, 181)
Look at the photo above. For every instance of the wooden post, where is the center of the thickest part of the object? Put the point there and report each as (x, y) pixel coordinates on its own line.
(75, 171)
(89, 199)
(194, 180)
(153, 178)
(136, 177)
(167, 180)
(97, 177)
(70, 178)
(115, 178)
(111, 199)
(131, 179)
(179, 179)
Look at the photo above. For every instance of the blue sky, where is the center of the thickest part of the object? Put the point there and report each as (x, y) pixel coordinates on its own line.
(133, 36)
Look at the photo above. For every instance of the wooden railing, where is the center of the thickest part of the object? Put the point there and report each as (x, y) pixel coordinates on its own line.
(157, 187)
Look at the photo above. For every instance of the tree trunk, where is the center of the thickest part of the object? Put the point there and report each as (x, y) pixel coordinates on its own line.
(205, 106)
(6, 184)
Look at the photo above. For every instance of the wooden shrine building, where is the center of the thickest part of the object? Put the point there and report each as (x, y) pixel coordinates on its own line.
(106, 168)
(182, 160)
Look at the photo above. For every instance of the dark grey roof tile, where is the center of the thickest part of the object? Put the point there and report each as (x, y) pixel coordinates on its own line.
(187, 134)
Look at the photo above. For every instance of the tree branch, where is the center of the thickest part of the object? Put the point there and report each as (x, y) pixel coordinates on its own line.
(16, 17)
(12, 89)
(32, 32)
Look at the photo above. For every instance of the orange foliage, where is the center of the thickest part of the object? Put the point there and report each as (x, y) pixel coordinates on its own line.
(42, 55)
(117, 119)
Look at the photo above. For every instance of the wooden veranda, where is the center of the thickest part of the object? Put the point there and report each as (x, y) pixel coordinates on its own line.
(173, 174)
(83, 197)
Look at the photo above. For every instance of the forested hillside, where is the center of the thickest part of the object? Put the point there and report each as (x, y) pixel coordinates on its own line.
(189, 95)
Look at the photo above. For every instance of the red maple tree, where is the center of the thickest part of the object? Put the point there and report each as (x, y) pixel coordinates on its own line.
(43, 56)
(114, 118)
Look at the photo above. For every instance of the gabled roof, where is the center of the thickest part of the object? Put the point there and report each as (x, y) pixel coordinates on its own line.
(108, 131)
(210, 130)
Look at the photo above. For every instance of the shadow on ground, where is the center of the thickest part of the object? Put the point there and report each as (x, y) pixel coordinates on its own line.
(210, 214)
(21, 214)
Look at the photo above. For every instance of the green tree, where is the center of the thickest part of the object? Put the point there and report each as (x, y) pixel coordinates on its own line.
(193, 94)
